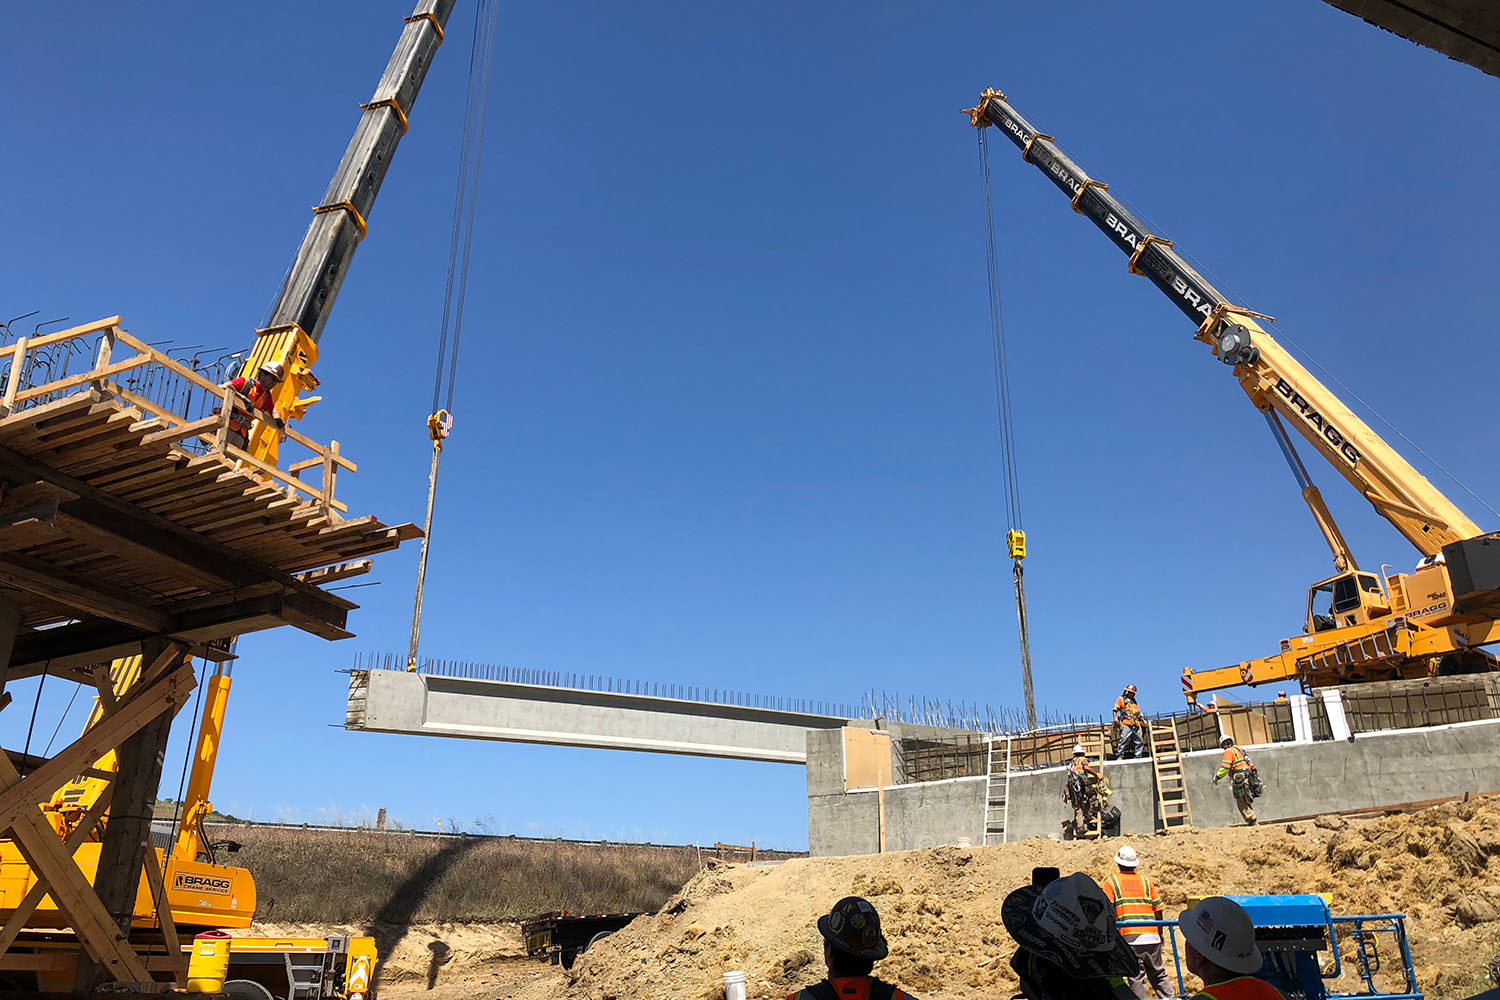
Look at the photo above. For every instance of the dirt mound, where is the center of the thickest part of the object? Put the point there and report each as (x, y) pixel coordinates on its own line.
(941, 908)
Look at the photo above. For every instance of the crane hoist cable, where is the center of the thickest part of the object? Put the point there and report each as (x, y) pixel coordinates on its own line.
(461, 240)
(1015, 535)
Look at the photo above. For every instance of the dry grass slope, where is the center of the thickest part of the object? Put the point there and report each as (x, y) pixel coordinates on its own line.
(366, 877)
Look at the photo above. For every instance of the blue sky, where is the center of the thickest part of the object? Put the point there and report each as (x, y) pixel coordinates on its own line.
(725, 413)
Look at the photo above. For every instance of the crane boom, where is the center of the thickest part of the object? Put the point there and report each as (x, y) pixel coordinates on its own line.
(1270, 376)
(323, 259)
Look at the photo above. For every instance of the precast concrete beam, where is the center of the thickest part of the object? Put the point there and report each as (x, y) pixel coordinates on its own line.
(395, 701)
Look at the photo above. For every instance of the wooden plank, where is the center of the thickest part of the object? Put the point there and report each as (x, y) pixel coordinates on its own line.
(16, 799)
(196, 428)
(70, 333)
(136, 553)
(34, 576)
(74, 381)
(38, 891)
(162, 910)
(69, 889)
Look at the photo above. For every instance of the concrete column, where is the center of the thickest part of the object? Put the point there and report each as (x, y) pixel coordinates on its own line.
(10, 622)
(1302, 730)
(1333, 703)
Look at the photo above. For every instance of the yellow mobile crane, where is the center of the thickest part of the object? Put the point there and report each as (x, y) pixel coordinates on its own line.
(1359, 625)
(199, 892)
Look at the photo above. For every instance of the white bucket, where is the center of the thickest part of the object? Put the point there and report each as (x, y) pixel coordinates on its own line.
(734, 986)
(965, 842)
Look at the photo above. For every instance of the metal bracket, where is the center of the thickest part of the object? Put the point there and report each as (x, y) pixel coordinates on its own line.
(1146, 241)
(1026, 149)
(1078, 195)
(389, 102)
(976, 113)
(427, 15)
(345, 206)
(1220, 311)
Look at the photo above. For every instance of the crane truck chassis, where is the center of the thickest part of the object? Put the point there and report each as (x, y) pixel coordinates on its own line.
(1357, 626)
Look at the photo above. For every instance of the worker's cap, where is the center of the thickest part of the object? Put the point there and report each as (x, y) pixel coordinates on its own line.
(1125, 857)
(273, 369)
(1220, 930)
(853, 927)
(1131, 688)
(1281, 694)
(1225, 741)
(1070, 923)
(1079, 751)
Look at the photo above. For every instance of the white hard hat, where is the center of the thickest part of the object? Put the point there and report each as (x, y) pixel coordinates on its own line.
(1225, 739)
(1125, 857)
(1220, 930)
(273, 368)
(1079, 751)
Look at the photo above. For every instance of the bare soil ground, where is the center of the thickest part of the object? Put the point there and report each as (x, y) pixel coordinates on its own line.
(942, 911)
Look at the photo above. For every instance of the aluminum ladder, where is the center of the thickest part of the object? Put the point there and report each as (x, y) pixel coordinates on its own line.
(997, 794)
(1172, 809)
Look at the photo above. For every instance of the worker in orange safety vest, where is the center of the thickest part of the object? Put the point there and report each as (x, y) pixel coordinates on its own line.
(1135, 898)
(1132, 723)
(259, 394)
(852, 944)
(1220, 949)
(1082, 789)
(1242, 778)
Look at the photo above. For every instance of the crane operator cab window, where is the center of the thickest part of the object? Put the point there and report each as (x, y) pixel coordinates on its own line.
(1351, 599)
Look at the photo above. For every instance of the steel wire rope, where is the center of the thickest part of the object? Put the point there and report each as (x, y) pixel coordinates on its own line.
(1280, 332)
(456, 283)
(36, 703)
(63, 718)
(1005, 415)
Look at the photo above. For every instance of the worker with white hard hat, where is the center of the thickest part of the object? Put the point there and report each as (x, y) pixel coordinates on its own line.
(1081, 790)
(257, 395)
(1069, 947)
(1221, 951)
(1136, 898)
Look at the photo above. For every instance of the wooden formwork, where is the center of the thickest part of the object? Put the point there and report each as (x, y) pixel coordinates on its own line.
(132, 525)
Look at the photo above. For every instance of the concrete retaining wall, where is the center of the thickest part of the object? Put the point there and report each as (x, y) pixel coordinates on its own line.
(1303, 779)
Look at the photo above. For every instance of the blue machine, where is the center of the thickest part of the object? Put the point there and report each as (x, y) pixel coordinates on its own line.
(1291, 931)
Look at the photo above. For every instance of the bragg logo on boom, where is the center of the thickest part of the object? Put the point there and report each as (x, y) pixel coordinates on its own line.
(1325, 427)
(201, 883)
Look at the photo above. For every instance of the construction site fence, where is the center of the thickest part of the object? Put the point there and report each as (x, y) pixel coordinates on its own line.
(1365, 708)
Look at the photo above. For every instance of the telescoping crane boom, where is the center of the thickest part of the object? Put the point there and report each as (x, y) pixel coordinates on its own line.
(1358, 626)
(201, 893)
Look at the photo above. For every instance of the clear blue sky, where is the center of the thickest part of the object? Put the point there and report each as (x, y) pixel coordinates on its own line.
(725, 415)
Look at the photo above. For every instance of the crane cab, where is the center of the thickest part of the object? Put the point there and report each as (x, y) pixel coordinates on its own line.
(1353, 598)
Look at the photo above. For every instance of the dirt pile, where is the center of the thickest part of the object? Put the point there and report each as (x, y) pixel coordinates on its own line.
(941, 908)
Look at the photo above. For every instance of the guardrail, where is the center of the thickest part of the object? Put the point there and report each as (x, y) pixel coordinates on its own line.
(193, 411)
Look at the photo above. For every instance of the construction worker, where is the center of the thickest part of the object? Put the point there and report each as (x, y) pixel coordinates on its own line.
(258, 393)
(1081, 791)
(852, 944)
(1221, 951)
(1242, 777)
(1135, 898)
(1281, 698)
(1132, 723)
(1069, 946)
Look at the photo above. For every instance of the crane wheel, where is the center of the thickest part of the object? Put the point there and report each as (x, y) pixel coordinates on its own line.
(247, 989)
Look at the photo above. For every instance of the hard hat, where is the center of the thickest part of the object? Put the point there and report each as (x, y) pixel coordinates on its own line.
(1070, 923)
(1225, 741)
(853, 927)
(1125, 857)
(1079, 751)
(1220, 930)
(1131, 688)
(1281, 694)
(273, 368)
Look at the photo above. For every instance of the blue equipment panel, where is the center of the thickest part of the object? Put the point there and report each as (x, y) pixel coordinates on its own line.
(1305, 910)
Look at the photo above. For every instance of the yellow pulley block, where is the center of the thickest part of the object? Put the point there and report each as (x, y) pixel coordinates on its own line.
(1015, 541)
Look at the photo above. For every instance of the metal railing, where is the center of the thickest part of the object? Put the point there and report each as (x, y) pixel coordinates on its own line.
(182, 396)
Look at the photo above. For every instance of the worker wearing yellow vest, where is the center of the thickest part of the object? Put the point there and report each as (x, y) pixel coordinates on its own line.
(852, 944)
(1220, 950)
(1135, 898)
(1242, 777)
(1132, 723)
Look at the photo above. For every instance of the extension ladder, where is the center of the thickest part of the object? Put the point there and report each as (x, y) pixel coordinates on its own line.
(1096, 743)
(1171, 785)
(997, 794)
